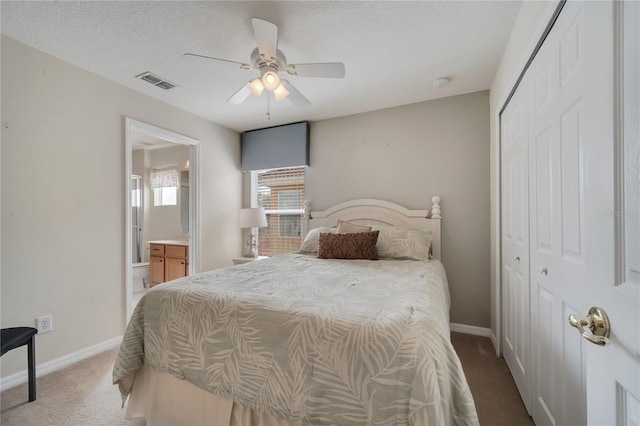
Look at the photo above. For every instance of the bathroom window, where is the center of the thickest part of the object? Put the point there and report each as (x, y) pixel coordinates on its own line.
(165, 196)
(165, 184)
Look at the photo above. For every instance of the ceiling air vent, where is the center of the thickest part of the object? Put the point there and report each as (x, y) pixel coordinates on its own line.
(156, 81)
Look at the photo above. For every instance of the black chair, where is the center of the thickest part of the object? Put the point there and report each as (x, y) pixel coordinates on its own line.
(15, 337)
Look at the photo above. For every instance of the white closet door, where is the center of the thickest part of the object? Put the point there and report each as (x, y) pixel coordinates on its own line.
(613, 268)
(573, 256)
(515, 241)
(579, 105)
(559, 74)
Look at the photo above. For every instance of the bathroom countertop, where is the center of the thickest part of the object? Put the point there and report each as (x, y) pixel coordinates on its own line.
(170, 242)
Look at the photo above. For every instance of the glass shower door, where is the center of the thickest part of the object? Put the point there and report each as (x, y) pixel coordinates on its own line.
(136, 218)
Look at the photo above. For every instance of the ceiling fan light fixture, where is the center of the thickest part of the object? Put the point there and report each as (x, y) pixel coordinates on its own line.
(269, 61)
(271, 80)
(280, 93)
(256, 87)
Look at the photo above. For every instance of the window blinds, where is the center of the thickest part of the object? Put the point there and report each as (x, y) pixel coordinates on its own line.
(281, 192)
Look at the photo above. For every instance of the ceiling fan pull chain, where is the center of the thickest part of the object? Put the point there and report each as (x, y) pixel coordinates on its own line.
(268, 107)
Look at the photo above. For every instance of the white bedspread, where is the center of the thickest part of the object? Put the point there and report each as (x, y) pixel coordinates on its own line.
(306, 339)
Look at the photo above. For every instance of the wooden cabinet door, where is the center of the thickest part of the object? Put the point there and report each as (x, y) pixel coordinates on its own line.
(175, 268)
(156, 270)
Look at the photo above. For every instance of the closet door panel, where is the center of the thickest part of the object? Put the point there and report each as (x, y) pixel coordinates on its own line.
(571, 199)
(573, 371)
(544, 365)
(515, 241)
(543, 192)
(557, 225)
(544, 197)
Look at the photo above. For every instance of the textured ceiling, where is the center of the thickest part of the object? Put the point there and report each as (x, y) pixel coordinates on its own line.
(392, 51)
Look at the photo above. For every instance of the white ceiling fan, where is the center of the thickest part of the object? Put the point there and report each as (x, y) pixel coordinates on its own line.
(270, 61)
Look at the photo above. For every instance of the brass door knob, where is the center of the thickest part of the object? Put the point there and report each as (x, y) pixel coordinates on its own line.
(598, 323)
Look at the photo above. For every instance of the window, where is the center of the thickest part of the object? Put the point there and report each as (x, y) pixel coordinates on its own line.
(281, 193)
(290, 226)
(165, 196)
(165, 186)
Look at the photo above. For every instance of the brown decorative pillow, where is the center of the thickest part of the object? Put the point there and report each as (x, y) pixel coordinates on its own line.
(361, 245)
(349, 228)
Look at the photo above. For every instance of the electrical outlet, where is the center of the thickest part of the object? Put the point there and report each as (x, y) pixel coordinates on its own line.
(44, 324)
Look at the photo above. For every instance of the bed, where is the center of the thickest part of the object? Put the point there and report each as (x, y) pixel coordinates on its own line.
(299, 339)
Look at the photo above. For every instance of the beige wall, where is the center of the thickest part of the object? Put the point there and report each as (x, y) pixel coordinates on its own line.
(406, 155)
(63, 213)
(531, 21)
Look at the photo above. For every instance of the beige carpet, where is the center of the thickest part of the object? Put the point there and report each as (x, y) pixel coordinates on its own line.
(498, 402)
(83, 395)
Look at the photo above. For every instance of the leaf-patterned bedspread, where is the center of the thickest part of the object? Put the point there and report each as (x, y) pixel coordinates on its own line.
(306, 339)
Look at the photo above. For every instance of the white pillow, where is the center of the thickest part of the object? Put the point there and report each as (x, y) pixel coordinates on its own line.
(310, 243)
(403, 243)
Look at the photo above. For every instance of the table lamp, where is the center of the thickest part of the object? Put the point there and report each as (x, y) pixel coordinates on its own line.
(252, 218)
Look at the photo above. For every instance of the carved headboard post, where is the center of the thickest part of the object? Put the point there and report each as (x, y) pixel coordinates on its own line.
(435, 210)
(436, 216)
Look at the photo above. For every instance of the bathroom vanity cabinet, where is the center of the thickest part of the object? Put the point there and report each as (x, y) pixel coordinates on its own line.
(168, 260)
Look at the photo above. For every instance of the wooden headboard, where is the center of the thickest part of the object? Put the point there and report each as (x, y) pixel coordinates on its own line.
(379, 212)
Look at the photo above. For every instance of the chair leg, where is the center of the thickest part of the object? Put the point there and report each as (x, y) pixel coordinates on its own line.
(31, 355)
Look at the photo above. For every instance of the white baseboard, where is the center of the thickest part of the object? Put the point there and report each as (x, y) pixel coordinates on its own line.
(59, 363)
(494, 340)
(471, 329)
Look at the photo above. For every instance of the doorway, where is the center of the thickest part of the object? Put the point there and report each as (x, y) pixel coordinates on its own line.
(138, 133)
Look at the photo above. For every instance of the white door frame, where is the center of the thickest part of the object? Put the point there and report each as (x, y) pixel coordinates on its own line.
(135, 126)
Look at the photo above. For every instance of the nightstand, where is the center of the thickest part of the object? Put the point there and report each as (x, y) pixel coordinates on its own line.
(241, 260)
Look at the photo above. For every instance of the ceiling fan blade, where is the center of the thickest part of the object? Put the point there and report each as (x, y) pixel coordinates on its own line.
(326, 70)
(241, 95)
(266, 36)
(295, 96)
(242, 64)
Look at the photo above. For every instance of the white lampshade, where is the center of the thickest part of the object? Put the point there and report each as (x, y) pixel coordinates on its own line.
(256, 87)
(253, 218)
(270, 80)
(280, 93)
